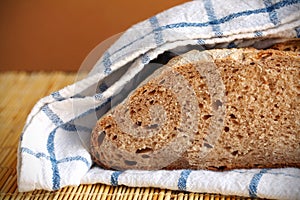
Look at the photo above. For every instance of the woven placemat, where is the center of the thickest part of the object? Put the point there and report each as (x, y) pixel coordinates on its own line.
(19, 91)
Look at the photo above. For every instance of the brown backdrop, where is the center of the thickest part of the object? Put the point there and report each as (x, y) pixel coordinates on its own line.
(58, 34)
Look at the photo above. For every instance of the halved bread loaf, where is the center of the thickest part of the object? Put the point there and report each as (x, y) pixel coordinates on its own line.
(215, 109)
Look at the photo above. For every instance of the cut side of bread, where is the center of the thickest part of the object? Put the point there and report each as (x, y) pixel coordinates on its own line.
(216, 109)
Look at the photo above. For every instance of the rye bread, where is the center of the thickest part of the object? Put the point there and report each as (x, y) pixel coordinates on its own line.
(216, 109)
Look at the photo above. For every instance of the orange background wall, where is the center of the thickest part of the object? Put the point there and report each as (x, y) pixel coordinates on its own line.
(59, 34)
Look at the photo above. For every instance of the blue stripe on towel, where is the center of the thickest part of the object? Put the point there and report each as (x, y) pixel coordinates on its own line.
(37, 155)
(54, 166)
(158, 37)
(107, 63)
(98, 96)
(258, 34)
(272, 13)
(145, 59)
(114, 178)
(183, 179)
(52, 116)
(68, 126)
(54, 162)
(232, 16)
(57, 96)
(75, 158)
(255, 181)
(212, 17)
(66, 159)
(222, 20)
(201, 41)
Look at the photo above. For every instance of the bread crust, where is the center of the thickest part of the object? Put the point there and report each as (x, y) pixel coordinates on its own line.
(216, 109)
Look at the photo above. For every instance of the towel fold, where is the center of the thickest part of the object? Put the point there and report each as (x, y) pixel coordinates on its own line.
(53, 150)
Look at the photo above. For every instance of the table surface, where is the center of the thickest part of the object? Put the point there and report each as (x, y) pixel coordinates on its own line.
(19, 91)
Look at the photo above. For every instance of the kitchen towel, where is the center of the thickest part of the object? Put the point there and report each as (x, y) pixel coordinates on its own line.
(53, 150)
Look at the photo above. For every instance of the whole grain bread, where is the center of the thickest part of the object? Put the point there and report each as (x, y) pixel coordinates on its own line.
(216, 109)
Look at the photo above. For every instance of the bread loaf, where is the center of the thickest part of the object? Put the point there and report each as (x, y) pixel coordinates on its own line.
(216, 109)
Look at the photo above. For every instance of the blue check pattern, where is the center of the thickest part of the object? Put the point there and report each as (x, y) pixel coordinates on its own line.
(57, 119)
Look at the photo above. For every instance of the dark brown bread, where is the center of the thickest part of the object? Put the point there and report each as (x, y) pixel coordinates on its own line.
(290, 45)
(216, 109)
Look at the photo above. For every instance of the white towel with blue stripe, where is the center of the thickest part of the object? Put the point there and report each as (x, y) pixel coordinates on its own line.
(51, 153)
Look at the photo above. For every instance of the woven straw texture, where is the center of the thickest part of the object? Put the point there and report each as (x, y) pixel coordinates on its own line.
(19, 91)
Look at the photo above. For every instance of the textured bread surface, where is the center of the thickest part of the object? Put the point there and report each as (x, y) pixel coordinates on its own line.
(216, 109)
(290, 45)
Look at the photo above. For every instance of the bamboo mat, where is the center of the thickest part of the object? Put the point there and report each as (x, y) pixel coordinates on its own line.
(19, 91)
